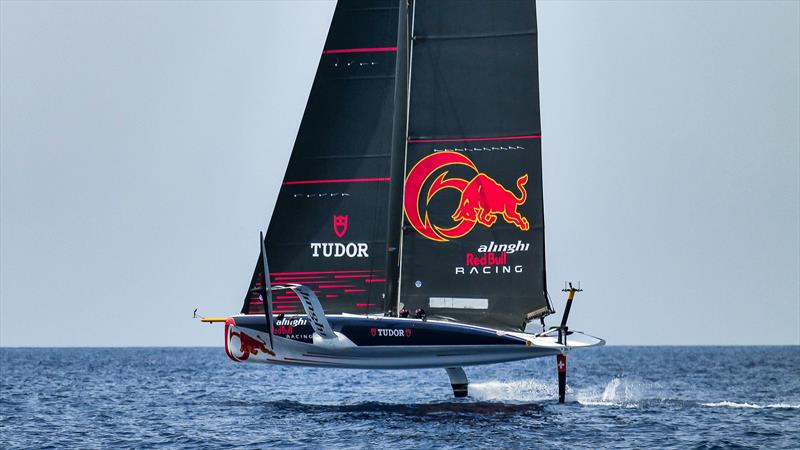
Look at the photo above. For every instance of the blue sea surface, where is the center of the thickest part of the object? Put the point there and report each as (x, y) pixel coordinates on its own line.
(618, 397)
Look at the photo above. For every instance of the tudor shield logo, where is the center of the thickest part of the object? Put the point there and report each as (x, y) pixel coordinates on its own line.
(482, 199)
(339, 225)
(339, 249)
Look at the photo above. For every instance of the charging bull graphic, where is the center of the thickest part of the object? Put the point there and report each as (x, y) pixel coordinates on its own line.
(250, 345)
(475, 202)
(482, 198)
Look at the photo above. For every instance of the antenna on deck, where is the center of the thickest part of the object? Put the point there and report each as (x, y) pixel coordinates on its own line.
(563, 331)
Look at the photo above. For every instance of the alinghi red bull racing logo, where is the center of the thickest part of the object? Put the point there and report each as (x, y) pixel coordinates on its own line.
(482, 198)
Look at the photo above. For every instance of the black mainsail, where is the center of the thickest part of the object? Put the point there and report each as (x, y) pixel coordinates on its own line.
(421, 133)
(473, 242)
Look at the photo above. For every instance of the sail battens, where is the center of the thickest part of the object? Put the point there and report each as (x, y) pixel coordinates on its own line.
(296, 244)
(335, 157)
(475, 139)
(472, 36)
(362, 77)
(359, 50)
(323, 272)
(340, 180)
(391, 8)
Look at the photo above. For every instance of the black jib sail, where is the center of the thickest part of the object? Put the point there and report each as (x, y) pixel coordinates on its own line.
(473, 236)
(329, 227)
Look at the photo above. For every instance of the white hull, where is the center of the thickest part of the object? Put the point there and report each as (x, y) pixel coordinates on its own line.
(344, 353)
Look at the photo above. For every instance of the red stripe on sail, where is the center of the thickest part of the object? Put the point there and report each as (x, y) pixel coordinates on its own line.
(375, 280)
(337, 282)
(297, 278)
(477, 139)
(319, 273)
(364, 305)
(338, 180)
(359, 50)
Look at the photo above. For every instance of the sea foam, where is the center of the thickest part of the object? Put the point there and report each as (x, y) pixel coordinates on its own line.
(727, 404)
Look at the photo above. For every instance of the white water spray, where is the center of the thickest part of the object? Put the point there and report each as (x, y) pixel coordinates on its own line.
(523, 391)
(617, 392)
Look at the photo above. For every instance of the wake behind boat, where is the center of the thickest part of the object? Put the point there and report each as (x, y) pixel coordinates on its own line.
(409, 228)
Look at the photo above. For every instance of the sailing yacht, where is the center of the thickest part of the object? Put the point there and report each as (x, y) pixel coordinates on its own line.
(409, 227)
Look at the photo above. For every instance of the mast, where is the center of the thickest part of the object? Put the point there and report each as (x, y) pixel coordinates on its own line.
(397, 161)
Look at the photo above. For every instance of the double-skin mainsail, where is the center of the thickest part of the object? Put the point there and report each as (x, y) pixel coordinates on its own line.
(415, 180)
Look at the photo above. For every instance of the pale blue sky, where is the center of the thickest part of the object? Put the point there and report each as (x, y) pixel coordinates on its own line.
(143, 143)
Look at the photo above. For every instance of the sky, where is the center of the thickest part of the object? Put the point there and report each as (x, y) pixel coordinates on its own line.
(142, 146)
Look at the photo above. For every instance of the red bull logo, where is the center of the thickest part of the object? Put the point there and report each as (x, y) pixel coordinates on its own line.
(482, 200)
(249, 345)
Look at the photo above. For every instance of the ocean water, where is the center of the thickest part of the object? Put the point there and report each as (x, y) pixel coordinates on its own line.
(618, 397)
